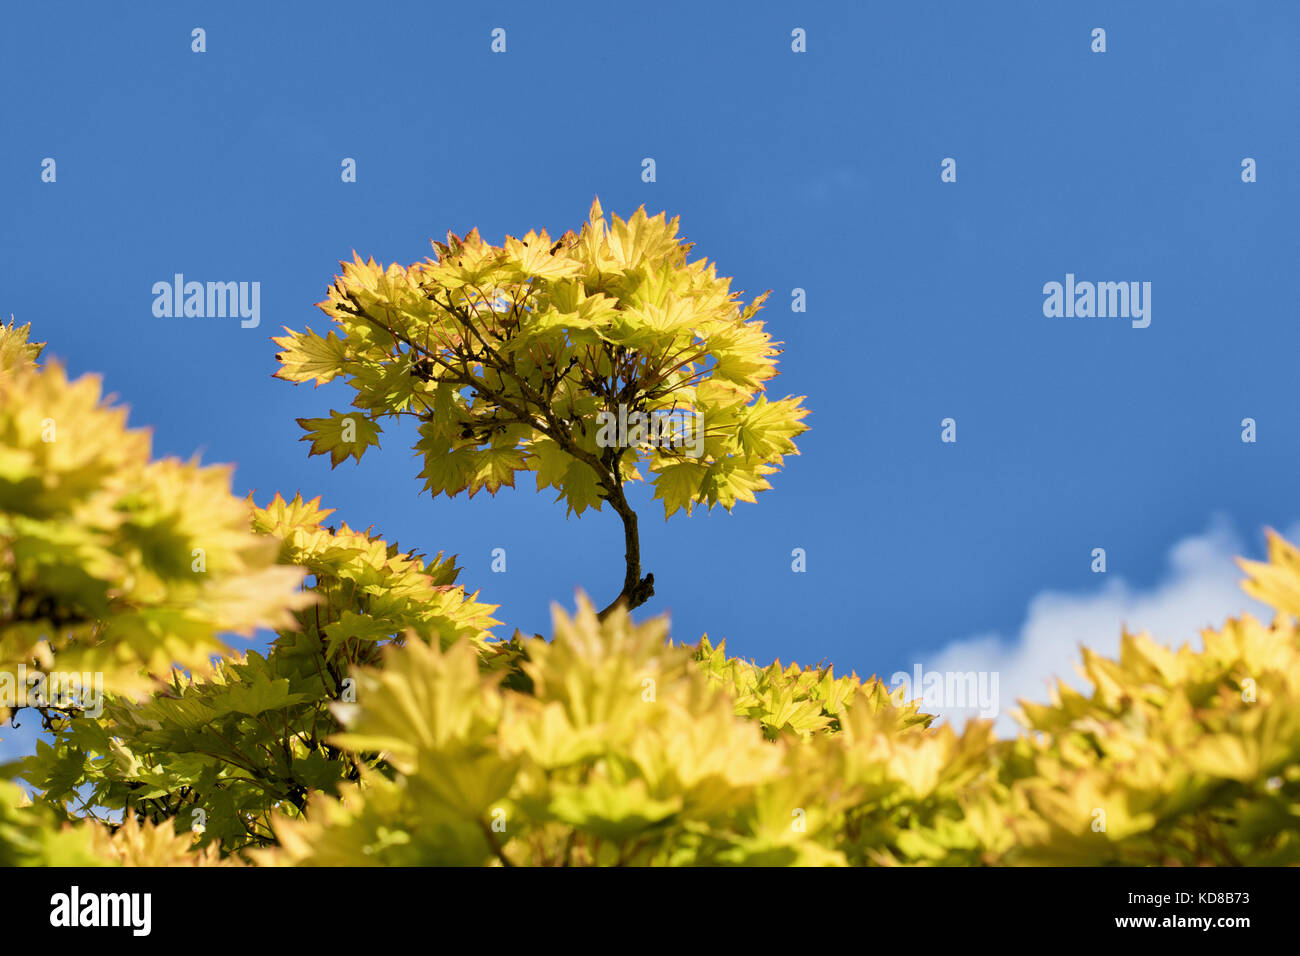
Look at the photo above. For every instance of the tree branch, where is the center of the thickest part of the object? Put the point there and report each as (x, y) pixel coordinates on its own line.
(636, 589)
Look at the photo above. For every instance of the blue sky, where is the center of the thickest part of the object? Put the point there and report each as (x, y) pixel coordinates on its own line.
(818, 170)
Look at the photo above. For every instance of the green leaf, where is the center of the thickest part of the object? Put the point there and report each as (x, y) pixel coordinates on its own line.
(341, 435)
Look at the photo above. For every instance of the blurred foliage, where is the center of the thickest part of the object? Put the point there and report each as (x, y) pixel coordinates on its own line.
(110, 562)
(217, 754)
(627, 750)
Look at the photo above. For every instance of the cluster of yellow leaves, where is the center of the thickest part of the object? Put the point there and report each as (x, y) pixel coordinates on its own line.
(795, 700)
(369, 590)
(610, 745)
(622, 751)
(508, 356)
(110, 562)
(33, 835)
(226, 748)
(627, 750)
(1191, 756)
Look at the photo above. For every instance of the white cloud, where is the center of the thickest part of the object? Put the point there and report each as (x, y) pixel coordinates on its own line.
(1200, 590)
